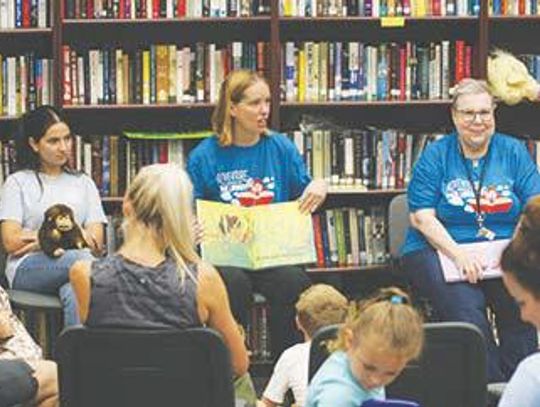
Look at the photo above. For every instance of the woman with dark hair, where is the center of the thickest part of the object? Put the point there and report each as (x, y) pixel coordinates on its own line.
(520, 263)
(44, 178)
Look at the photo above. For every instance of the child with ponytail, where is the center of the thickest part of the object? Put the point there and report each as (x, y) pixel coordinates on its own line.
(379, 337)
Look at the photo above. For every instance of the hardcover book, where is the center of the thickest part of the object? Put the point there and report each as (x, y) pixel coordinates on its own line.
(255, 237)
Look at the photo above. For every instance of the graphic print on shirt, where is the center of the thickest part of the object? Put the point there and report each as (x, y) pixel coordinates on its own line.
(237, 187)
(493, 198)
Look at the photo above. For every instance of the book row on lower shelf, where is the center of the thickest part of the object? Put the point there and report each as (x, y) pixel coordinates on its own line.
(154, 9)
(157, 74)
(25, 14)
(26, 81)
(379, 8)
(327, 71)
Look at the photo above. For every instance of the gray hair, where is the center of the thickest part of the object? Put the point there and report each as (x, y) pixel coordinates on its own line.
(470, 86)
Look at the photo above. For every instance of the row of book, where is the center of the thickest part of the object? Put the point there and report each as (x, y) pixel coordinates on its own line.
(351, 236)
(361, 158)
(25, 14)
(158, 74)
(533, 64)
(328, 71)
(513, 7)
(154, 9)
(378, 8)
(26, 81)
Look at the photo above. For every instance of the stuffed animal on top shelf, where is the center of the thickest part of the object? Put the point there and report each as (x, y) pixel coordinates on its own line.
(59, 232)
(509, 79)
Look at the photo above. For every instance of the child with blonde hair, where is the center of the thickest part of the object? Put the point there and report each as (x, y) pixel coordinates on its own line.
(377, 340)
(318, 306)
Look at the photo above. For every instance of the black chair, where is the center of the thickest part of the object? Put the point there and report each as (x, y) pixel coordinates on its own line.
(116, 368)
(451, 371)
(317, 351)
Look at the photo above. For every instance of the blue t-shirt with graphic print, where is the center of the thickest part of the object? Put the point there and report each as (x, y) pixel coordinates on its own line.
(440, 182)
(269, 171)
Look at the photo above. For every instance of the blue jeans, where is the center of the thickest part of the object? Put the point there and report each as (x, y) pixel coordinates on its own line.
(468, 303)
(43, 274)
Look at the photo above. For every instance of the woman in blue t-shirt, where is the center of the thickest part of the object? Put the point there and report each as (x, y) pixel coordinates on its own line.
(468, 187)
(247, 164)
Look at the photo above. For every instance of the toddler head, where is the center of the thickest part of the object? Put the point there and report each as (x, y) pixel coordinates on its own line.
(318, 306)
(380, 335)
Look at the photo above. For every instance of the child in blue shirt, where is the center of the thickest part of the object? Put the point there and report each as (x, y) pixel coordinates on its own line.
(378, 339)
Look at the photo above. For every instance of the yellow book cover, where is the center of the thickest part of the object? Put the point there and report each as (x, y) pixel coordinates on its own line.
(255, 237)
(162, 73)
(302, 74)
(146, 77)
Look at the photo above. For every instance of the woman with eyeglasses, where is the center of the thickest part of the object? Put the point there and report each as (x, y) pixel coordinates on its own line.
(466, 194)
(43, 145)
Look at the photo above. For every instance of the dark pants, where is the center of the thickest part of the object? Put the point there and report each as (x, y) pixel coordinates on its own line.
(17, 383)
(468, 303)
(280, 286)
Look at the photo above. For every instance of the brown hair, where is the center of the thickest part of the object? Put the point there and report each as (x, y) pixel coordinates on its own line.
(389, 317)
(320, 305)
(522, 256)
(231, 92)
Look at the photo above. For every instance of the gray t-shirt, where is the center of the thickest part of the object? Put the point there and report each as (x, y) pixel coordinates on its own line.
(23, 200)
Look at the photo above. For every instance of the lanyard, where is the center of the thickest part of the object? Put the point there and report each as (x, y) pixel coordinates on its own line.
(477, 191)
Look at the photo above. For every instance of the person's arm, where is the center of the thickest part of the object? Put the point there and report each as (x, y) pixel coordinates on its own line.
(94, 236)
(264, 402)
(214, 310)
(79, 276)
(16, 240)
(426, 222)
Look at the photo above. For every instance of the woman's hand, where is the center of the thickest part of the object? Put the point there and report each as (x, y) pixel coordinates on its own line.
(471, 266)
(313, 196)
(31, 243)
(197, 230)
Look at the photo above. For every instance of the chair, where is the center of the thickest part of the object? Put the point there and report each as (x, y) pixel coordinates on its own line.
(317, 351)
(119, 367)
(451, 371)
(398, 223)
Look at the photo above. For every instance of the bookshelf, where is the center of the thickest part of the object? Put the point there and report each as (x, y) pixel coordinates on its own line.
(128, 32)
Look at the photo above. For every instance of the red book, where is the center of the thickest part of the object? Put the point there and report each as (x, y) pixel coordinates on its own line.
(122, 9)
(181, 8)
(163, 152)
(460, 60)
(468, 61)
(90, 9)
(521, 7)
(435, 7)
(317, 234)
(26, 13)
(156, 7)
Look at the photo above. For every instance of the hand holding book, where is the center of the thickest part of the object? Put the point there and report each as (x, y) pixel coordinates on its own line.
(313, 196)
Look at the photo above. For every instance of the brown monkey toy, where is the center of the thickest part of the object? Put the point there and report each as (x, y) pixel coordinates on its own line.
(59, 232)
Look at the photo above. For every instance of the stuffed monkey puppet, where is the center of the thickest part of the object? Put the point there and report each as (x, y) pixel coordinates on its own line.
(509, 79)
(59, 232)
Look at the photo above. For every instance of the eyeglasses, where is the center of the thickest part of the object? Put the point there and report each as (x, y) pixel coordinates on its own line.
(469, 116)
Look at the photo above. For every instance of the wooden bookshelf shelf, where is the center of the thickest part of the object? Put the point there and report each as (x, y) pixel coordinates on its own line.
(332, 190)
(377, 20)
(26, 31)
(515, 19)
(348, 269)
(161, 21)
(183, 106)
(363, 103)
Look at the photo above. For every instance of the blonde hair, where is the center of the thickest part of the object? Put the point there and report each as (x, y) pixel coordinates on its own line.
(470, 86)
(387, 317)
(320, 305)
(231, 92)
(161, 198)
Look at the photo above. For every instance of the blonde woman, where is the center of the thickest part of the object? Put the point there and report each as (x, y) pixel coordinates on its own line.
(247, 164)
(156, 279)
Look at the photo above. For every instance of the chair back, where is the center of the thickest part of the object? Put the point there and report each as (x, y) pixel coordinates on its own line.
(141, 368)
(451, 370)
(317, 351)
(398, 223)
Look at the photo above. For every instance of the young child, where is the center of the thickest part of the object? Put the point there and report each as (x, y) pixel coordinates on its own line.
(320, 305)
(378, 339)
